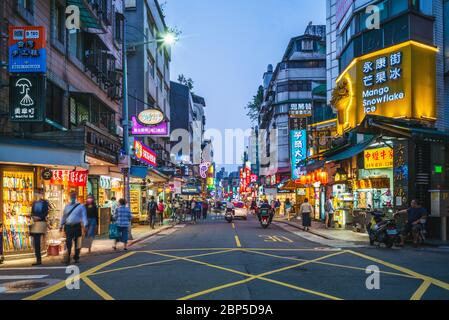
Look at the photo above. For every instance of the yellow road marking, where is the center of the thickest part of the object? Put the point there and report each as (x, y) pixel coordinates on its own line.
(259, 249)
(421, 290)
(224, 286)
(159, 262)
(434, 281)
(324, 295)
(275, 238)
(233, 225)
(237, 241)
(260, 277)
(330, 264)
(60, 285)
(97, 289)
(205, 264)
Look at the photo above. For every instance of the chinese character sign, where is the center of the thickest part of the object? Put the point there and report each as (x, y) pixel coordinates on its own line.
(27, 49)
(160, 129)
(298, 145)
(379, 158)
(398, 81)
(144, 153)
(27, 97)
(69, 177)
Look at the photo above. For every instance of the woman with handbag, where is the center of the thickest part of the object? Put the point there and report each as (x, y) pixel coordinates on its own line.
(306, 210)
(38, 228)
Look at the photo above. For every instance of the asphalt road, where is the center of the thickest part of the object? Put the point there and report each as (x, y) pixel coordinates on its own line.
(216, 260)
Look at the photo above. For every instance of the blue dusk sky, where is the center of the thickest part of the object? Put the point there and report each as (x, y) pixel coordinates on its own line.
(226, 45)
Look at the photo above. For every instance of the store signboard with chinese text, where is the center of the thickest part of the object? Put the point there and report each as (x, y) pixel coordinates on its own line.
(27, 97)
(399, 81)
(159, 130)
(298, 148)
(302, 109)
(69, 177)
(27, 52)
(144, 153)
(378, 158)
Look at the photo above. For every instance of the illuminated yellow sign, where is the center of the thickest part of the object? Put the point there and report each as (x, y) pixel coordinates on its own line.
(397, 82)
(378, 158)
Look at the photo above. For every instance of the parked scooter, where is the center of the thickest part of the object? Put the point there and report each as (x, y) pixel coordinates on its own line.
(382, 231)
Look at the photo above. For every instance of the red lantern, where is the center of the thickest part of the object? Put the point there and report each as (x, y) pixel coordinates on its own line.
(324, 178)
(303, 180)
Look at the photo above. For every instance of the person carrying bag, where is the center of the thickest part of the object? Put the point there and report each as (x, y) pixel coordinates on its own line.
(38, 228)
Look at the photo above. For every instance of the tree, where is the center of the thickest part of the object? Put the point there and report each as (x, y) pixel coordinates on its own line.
(253, 107)
(186, 81)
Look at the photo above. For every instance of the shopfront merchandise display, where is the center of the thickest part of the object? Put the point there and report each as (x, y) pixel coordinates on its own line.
(18, 196)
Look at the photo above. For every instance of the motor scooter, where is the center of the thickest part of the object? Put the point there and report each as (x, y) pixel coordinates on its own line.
(265, 217)
(382, 230)
(229, 215)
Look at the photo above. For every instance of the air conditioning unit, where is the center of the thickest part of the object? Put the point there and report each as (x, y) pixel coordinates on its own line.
(131, 49)
(119, 131)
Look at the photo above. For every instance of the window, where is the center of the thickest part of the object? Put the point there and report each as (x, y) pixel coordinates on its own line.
(294, 85)
(26, 4)
(425, 6)
(446, 35)
(55, 102)
(58, 22)
(130, 4)
(150, 61)
(118, 27)
(296, 64)
(76, 47)
(398, 6)
(307, 45)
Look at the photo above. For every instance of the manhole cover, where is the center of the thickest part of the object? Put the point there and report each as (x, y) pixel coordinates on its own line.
(26, 286)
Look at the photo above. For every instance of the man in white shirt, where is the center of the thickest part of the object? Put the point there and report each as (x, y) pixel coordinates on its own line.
(73, 222)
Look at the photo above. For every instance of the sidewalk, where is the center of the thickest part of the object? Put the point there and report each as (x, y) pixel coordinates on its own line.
(101, 245)
(318, 229)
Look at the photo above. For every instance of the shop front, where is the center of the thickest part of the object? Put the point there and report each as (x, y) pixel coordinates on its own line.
(27, 166)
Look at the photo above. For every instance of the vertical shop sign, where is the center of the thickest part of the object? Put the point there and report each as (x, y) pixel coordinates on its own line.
(401, 174)
(27, 51)
(298, 145)
(27, 97)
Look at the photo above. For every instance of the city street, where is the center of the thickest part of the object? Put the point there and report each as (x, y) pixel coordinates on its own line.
(216, 260)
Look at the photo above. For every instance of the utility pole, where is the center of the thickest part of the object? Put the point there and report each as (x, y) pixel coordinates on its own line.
(125, 115)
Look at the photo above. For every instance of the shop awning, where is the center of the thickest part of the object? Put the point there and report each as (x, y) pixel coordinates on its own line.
(401, 128)
(42, 153)
(138, 172)
(351, 151)
(87, 17)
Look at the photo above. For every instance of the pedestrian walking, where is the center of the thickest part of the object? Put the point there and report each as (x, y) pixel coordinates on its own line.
(39, 213)
(113, 204)
(92, 222)
(73, 222)
(160, 210)
(306, 210)
(329, 208)
(123, 219)
(193, 211)
(288, 208)
(152, 207)
(205, 208)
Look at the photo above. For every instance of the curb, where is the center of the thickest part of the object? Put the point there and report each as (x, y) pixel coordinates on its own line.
(133, 242)
(318, 233)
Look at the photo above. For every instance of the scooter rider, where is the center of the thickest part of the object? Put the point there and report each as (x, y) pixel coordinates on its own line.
(414, 215)
(265, 205)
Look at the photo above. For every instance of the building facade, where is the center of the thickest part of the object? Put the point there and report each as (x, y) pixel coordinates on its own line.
(148, 67)
(295, 92)
(392, 109)
(60, 125)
